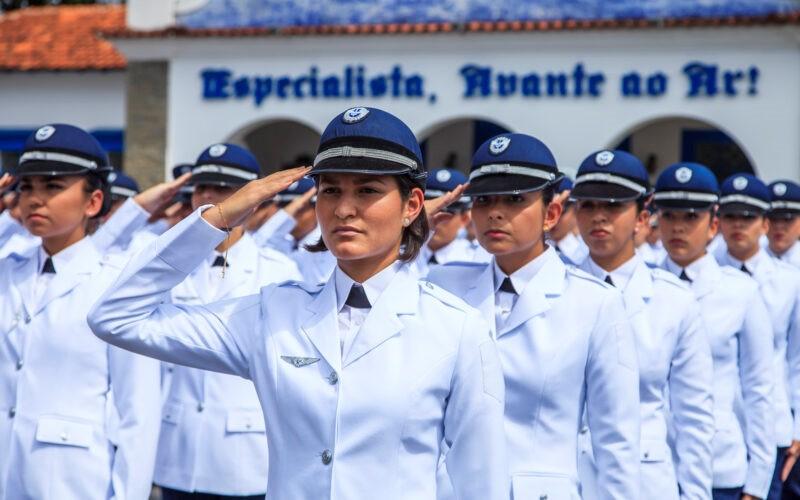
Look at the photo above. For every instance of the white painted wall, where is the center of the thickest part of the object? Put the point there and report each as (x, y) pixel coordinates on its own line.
(767, 125)
(90, 100)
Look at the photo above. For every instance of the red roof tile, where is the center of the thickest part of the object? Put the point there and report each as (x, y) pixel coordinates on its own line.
(64, 38)
(789, 18)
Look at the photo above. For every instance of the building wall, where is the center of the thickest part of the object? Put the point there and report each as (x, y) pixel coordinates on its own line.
(92, 100)
(765, 124)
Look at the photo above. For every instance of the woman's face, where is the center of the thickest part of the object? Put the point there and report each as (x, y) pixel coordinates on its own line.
(513, 224)
(742, 233)
(686, 234)
(784, 231)
(55, 206)
(362, 216)
(609, 228)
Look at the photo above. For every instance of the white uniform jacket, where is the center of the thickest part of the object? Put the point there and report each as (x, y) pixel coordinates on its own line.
(56, 380)
(739, 330)
(566, 343)
(675, 382)
(572, 247)
(422, 369)
(779, 284)
(212, 434)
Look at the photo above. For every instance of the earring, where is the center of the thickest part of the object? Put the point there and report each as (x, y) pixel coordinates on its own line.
(406, 222)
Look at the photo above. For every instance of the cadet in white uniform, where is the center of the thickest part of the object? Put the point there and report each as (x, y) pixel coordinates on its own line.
(738, 327)
(783, 234)
(363, 379)
(213, 439)
(445, 245)
(744, 202)
(675, 365)
(784, 222)
(564, 339)
(57, 440)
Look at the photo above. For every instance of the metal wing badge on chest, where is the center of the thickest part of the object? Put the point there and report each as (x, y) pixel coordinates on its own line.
(299, 362)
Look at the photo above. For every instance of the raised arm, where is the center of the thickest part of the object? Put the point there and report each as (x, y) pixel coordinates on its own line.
(133, 313)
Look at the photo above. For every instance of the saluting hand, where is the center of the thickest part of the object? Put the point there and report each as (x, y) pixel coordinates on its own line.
(238, 207)
(5, 181)
(434, 207)
(157, 198)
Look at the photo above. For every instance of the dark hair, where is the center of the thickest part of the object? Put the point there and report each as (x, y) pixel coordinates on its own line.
(93, 183)
(548, 194)
(414, 236)
(641, 204)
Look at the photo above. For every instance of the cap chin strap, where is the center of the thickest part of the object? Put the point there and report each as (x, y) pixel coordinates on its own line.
(59, 157)
(685, 195)
(611, 179)
(792, 205)
(743, 198)
(225, 170)
(506, 168)
(375, 154)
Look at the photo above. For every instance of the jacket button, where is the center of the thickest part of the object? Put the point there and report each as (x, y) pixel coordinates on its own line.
(200, 407)
(12, 412)
(646, 454)
(20, 364)
(333, 378)
(327, 457)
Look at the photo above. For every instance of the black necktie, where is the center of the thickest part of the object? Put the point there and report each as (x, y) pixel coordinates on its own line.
(608, 280)
(684, 276)
(433, 260)
(357, 297)
(745, 270)
(507, 286)
(220, 261)
(48, 266)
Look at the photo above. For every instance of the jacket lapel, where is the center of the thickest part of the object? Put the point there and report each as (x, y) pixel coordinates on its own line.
(480, 295)
(383, 322)
(639, 290)
(322, 325)
(707, 277)
(533, 301)
(65, 280)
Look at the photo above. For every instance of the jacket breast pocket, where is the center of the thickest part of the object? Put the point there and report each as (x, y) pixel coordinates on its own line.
(653, 450)
(63, 432)
(245, 421)
(172, 413)
(539, 486)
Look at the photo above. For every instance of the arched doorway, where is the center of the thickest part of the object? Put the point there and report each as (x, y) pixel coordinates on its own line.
(452, 143)
(279, 144)
(664, 141)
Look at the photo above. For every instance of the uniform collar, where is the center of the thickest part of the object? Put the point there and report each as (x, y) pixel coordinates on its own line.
(754, 264)
(373, 287)
(62, 259)
(620, 276)
(788, 254)
(693, 270)
(524, 275)
(447, 253)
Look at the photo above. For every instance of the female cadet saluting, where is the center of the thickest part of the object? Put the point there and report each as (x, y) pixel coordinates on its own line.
(56, 441)
(738, 326)
(361, 379)
(675, 366)
(563, 336)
